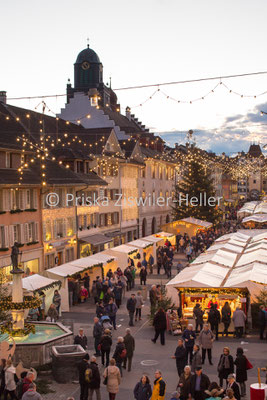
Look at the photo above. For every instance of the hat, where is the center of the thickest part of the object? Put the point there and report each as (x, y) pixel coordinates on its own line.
(198, 368)
(231, 376)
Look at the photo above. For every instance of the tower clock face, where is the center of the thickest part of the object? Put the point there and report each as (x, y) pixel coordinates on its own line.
(85, 65)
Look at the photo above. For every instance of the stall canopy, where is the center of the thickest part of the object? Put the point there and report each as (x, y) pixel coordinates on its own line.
(166, 235)
(227, 268)
(96, 240)
(260, 218)
(156, 242)
(139, 243)
(122, 253)
(188, 225)
(38, 282)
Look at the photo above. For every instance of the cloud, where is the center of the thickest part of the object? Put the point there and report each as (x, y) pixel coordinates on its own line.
(236, 133)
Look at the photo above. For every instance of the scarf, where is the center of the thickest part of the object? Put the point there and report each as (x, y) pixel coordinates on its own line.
(225, 363)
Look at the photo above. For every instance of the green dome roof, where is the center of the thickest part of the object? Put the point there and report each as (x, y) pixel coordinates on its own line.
(88, 55)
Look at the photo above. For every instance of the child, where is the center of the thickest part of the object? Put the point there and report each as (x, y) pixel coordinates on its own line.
(83, 294)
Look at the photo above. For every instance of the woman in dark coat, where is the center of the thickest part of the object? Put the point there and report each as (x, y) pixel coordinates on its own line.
(105, 344)
(198, 314)
(142, 390)
(184, 383)
(226, 317)
(160, 325)
(180, 356)
(225, 366)
(241, 370)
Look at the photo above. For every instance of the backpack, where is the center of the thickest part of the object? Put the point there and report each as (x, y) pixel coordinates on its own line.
(88, 375)
(19, 389)
(123, 354)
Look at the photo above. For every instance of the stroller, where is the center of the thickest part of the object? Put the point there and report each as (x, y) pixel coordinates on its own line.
(106, 322)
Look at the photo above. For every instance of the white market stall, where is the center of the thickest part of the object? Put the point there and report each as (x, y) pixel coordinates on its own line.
(70, 270)
(188, 225)
(108, 262)
(144, 247)
(156, 241)
(122, 253)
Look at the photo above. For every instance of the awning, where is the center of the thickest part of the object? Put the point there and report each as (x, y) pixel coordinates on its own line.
(96, 240)
(113, 234)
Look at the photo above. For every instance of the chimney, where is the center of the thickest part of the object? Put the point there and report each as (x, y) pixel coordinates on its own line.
(3, 96)
(128, 113)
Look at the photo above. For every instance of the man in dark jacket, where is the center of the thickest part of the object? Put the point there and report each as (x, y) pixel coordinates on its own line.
(180, 356)
(129, 343)
(262, 321)
(131, 304)
(94, 384)
(99, 287)
(81, 339)
(160, 325)
(97, 333)
(111, 310)
(214, 319)
(82, 366)
(189, 337)
(108, 296)
(199, 383)
(231, 384)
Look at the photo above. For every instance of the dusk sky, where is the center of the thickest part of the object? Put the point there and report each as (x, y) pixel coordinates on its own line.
(147, 42)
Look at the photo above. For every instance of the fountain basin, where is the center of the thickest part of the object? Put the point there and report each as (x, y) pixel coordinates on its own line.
(36, 349)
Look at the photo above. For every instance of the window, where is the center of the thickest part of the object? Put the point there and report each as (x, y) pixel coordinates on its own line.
(153, 171)
(143, 194)
(115, 218)
(69, 254)
(14, 199)
(3, 236)
(143, 172)
(160, 172)
(254, 180)
(28, 199)
(60, 228)
(7, 160)
(16, 233)
(108, 218)
(102, 220)
(31, 230)
(70, 226)
(49, 261)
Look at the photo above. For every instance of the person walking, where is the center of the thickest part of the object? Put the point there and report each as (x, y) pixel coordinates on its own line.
(131, 304)
(138, 306)
(231, 384)
(2, 376)
(94, 384)
(189, 337)
(129, 343)
(226, 317)
(206, 339)
(196, 359)
(225, 365)
(143, 276)
(160, 325)
(10, 384)
(159, 263)
(82, 366)
(214, 319)
(113, 378)
(31, 393)
(185, 383)
(151, 264)
(142, 390)
(118, 294)
(199, 383)
(57, 300)
(111, 310)
(97, 333)
(105, 346)
(180, 357)
(198, 315)
(159, 388)
(52, 314)
(120, 353)
(241, 370)
(81, 339)
(239, 320)
(262, 321)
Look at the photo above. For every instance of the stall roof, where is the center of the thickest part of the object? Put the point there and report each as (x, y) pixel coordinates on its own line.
(255, 218)
(152, 239)
(255, 272)
(163, 234)
(204, 276)
(221, 257)
(36, 282)
(196, 221)
(85, 262)
(124, 248)
(139, 243)
(96, 240)
(65, 270)
(103, 258)
(259, 255)
(260, 237)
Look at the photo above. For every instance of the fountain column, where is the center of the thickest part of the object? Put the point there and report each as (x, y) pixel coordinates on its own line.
(17, 297)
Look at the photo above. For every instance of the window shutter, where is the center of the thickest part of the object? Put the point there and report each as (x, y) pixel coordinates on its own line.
(44, 231)
(64, 228)
(106, 219)
(35, 199)
(21, 233)
(117, 217)
(11, 235)
(97, 219)
(6, 244)
(26, 233)
(6, 200)
(21, 204)
(36, 237)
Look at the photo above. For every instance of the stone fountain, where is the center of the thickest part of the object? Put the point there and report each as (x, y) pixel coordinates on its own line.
(34, 340)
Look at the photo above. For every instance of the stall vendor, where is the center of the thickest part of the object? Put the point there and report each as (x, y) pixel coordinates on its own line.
(213, 301)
